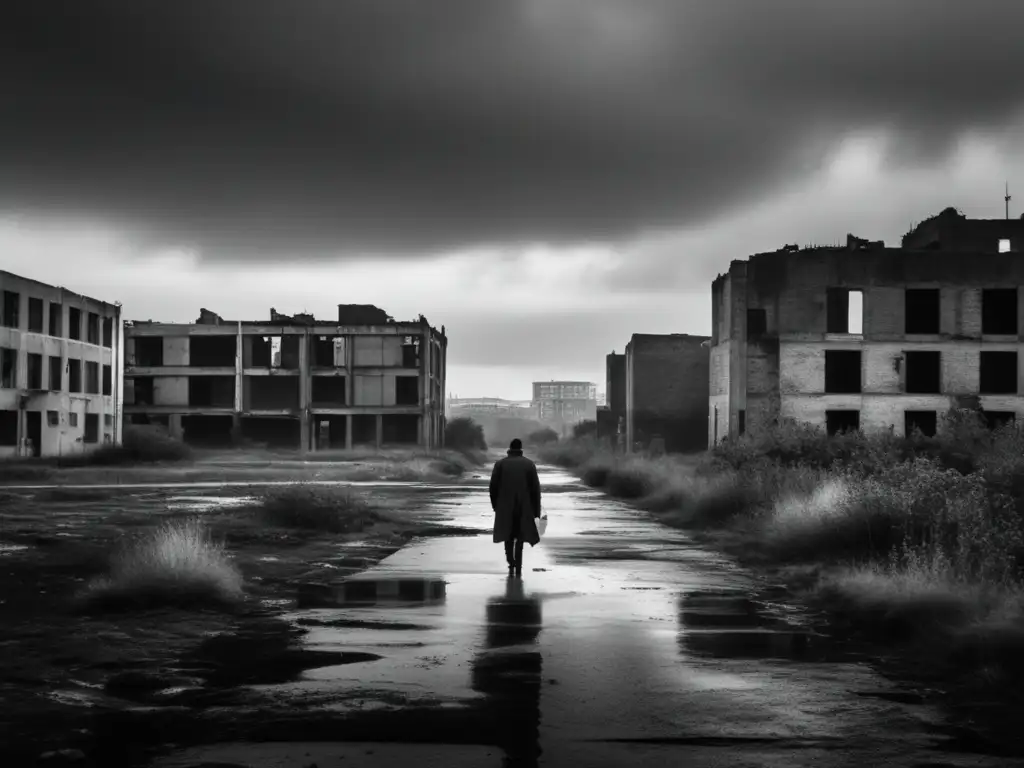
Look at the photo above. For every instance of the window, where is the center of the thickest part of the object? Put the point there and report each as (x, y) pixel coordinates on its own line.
(11, 309)
(998, 374)
(842, 371)
(997, 419)
(92, 428)
(924, 421)
(108, 332)
(108, 420)
(149, 351)
(8, 368)
(56, 374)
(924, 373)
(74, 323)
(74, 375)
(143, 388)
(92, 378)
(999, 311)
(845, 311)
(837, 422)
(8, 428)
(93, 328)
(1004, 246)
(407, 390)
(742, 421)
(35, 315)
(52, 419)
(922, 311)
(35, 370)
(108, 381)
(56, 320)
(757, 323)
(72, 419)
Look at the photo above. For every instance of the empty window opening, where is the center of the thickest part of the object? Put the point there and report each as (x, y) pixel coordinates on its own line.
(273, 431)
(922, 311)
(330, 431)
(757, 323)
(74, 376)
(35, 370)
(92, 428)
(73, 419)
(842, 371)
(208, 431)
(211, 391)
(328, 390)
(35, 315)
(845, 310)
(11, 308)
(8, 368)
(364, 429)
(407, 390)
(999, 311)
(271, 393)
(108, 380)
(143, 389)
(1004, 246)
(925, 422)
(92, 328)
(411, 352)
(275, 352)
(998, 374)
(742, 421)
(149, 351)
(56, 374)
(924, 372)
(92, 378)
(329, 352)
(74, 323)
(400, 429)
(998, 419)
(56, 320)
(108, 420)
(8, 428)
(108, 332)
(52, 419)
(212, 351)
(837, 422)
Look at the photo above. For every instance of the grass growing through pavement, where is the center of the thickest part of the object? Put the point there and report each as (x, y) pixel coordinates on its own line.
(318, 508)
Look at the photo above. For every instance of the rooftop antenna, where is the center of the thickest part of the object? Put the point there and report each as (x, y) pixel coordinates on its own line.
(1006, 198)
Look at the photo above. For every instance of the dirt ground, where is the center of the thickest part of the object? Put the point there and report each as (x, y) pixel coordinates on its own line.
(60, 666)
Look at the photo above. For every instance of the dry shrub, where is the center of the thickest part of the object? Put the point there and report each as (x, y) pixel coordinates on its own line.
(327, 509)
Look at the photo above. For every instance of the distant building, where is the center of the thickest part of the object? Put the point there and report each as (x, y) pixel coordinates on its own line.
(560, 404)
(666, 392)
(60, 370)
(615, 383)
(293, 381)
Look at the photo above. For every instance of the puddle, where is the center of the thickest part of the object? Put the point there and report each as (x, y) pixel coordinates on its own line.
(7, 549)
(368, 591)
(206, 503)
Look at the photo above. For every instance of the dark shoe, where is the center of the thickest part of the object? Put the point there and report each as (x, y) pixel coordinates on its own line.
(519, 571)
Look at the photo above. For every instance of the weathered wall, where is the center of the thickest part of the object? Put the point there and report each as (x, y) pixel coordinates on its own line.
(615, 384)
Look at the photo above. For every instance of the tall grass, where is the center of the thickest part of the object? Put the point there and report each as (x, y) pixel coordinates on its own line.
(318, 508)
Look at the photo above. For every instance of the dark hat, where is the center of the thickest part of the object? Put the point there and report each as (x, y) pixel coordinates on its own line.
(516, 445)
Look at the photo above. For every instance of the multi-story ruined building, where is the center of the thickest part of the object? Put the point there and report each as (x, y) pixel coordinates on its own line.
(561, 404)
(869, 337)
(291, 382)
(666, 391)
(60, 370)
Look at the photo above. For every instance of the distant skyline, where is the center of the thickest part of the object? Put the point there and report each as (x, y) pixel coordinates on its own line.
(544, 179)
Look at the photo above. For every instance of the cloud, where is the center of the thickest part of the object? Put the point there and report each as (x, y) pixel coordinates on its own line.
(324, 129)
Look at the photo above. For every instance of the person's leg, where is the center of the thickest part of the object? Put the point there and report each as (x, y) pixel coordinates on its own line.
(509, 554)
(519, 557)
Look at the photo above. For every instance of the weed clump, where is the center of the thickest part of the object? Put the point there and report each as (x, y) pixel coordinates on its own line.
(318, 508)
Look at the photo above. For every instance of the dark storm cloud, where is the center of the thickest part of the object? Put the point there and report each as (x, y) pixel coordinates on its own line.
(314, 127)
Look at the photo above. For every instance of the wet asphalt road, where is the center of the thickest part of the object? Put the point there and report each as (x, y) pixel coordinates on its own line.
(622, 644)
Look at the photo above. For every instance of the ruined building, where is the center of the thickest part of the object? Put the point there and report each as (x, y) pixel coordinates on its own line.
(870, 337)
(561, 404)
(666, 391)
(292, 381)
(612, 421)
(60, 370)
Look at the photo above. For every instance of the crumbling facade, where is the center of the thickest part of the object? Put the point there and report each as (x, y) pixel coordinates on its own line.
(561, 404)
(60, 370)
(865, 337)
(666, 391)
(294, 381)
(950, 230)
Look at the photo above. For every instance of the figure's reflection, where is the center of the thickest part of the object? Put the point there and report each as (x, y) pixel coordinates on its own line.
(508, 671)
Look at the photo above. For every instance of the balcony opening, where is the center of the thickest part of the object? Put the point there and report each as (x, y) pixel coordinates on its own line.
(844, 310)
(999, 311)
(212, 351)
(924, 373)
(925, 422)
(922, 311)
(35, 315)
(842, 371)
(149, 351)
(998, 373)
(757, 323)
(837, 422)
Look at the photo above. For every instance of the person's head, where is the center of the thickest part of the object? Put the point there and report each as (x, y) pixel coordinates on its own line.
(516, 445)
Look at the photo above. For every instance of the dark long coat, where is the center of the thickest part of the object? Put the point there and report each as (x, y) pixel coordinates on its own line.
(515, 488)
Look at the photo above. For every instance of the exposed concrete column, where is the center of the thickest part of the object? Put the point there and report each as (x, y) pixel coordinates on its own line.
(421, 433)
(380, 429)
(175, 427)
(236, 421)
(305, 383)
(348, 432)
(425, 351)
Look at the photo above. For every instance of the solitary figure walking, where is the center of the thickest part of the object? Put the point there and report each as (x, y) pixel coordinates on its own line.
(515, 499)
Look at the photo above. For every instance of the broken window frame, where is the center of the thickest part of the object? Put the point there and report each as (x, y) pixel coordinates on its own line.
(839, 311)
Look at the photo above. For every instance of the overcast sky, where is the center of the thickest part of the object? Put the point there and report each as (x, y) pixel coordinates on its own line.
(543, 177)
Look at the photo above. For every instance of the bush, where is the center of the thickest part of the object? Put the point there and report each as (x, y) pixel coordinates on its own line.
(176, 566)
(318, 508)
(585, 428)
(140, 444)
(542, 437)
(464, 434)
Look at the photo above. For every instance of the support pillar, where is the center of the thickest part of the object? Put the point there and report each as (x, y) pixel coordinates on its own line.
(305, 384)
(348, 432)
(174, 426)
(380, 429)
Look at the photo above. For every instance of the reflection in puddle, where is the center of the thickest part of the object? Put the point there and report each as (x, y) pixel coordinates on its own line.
(369, 591)
(6, 549)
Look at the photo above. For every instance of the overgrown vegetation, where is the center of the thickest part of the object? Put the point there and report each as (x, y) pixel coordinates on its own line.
(916, 537)
(464, 434)
(585, 428)
(327, 509)
(545, 436)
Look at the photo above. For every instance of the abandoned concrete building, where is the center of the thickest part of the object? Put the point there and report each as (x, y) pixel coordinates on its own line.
(60, 370)
(294, 382)
(561, 404)
(612, 421)
(868, 337)
(666, 391)
(950, 230)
